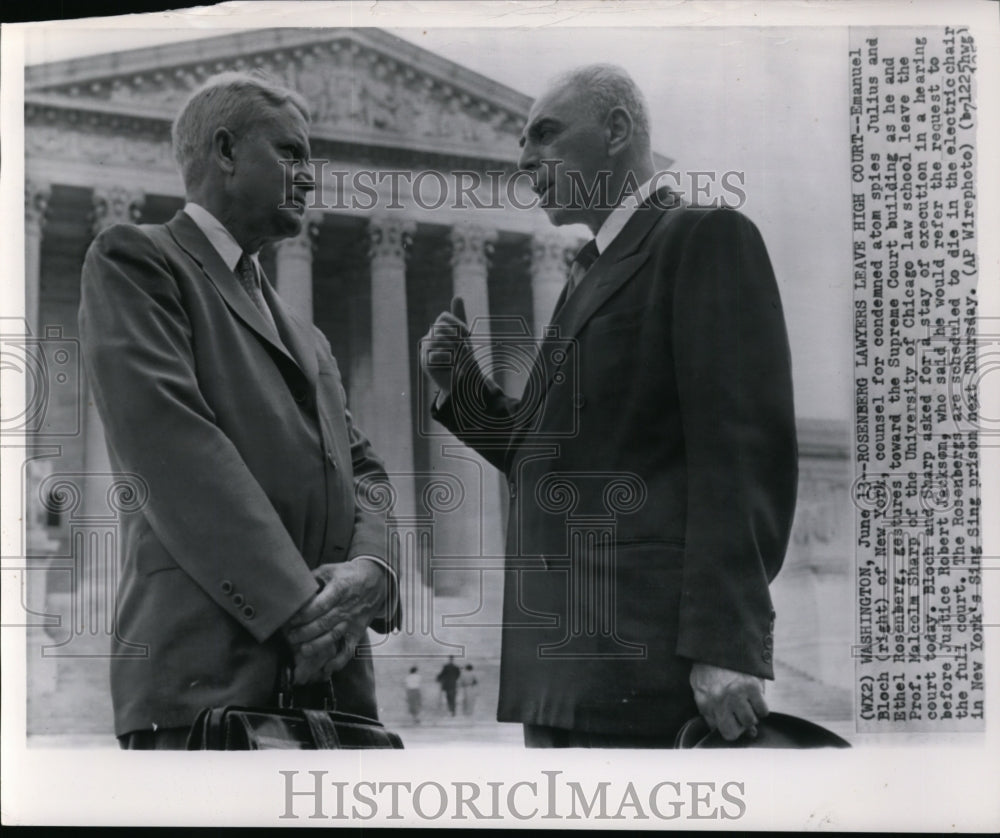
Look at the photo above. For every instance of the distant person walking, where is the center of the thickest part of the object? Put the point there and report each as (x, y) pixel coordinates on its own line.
(448, 679)
(470, 688)
(414, 697)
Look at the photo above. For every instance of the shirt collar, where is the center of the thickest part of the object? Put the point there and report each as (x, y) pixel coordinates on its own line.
(620, 215)
(218, 236)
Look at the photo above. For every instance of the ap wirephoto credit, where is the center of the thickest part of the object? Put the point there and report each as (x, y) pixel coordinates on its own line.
(502, 413)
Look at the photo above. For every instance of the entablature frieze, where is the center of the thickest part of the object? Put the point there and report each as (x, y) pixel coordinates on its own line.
(366, 87)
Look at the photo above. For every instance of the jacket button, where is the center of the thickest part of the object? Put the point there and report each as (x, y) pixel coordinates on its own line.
(331, 458)
(513, 489)
(248, 612)
(238, 600)
(227, 587)
(766, 657)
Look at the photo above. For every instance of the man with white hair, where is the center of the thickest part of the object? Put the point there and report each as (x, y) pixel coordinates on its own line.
(666, 374)
(252, 554)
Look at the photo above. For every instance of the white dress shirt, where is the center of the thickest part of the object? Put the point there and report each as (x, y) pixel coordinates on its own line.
(219, 237)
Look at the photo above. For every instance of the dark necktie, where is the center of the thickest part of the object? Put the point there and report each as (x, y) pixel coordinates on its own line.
(581, 264)
(247, 274)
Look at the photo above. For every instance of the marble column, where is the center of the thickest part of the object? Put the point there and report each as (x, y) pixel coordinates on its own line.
(550, 255)
(36, 201)
(476, 527)
(390, 422)
(471, 245)
(38, 546)
(293, 261)
(112, 205)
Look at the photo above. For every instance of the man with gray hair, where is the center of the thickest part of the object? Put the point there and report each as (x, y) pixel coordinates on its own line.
(662, 394)
(252, 555)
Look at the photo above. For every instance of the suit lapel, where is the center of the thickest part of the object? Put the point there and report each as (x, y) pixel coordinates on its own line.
(613, 268)
(293, 333)
(188, 235)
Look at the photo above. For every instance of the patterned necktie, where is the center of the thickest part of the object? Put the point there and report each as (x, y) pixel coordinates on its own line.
(247, 274)
(581, 264)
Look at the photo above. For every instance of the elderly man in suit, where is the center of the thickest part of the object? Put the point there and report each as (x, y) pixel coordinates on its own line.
(252, 555)
(672, 321)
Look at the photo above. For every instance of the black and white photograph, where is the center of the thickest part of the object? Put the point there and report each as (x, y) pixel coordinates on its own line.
(489, 409)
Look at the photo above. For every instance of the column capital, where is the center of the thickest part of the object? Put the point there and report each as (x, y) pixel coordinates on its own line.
(116, 205)
(551, 255)
(36, 204)
(472, 244)
(388, 238)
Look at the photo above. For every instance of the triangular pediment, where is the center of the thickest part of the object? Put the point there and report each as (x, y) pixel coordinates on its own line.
(365, 84)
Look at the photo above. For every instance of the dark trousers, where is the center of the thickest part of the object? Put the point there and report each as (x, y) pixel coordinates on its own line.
(541, 736)
(161, 739)
(450, 698)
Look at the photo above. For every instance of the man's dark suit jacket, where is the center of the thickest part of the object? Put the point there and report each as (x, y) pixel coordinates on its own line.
(251, 462)
(671, 369)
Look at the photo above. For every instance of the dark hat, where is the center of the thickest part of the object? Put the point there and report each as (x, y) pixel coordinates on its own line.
(777, 730)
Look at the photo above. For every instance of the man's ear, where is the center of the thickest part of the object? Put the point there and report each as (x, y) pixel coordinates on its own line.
(618, 130)
(222, 150)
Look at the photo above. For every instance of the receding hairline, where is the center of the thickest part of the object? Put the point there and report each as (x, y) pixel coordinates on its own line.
(577, 79)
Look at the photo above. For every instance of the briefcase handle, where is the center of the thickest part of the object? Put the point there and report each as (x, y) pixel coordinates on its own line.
(286, 690)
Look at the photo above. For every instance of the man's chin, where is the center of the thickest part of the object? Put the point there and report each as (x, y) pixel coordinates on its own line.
(292, 219)
(561, 216)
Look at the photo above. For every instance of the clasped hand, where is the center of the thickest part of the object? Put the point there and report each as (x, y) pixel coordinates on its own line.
(325, 632)
(730, 702)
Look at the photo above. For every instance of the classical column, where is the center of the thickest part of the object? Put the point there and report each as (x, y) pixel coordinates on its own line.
(477, 529)
(390, 422)
(38, 545)
(36, 201)
(470, 248)
(112, 205)
(549, 264)
(293, 260)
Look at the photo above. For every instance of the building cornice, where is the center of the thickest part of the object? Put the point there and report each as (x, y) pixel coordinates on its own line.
(249, 46)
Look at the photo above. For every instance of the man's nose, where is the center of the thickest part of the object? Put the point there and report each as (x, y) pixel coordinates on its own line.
(304, 175)
(528, 159)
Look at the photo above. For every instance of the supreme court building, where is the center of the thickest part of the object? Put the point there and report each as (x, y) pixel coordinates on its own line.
(376, 261)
